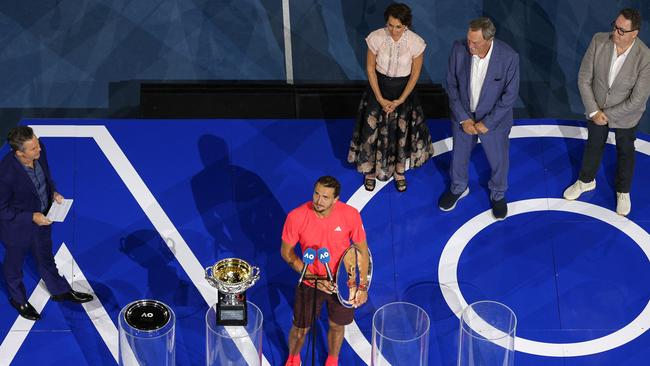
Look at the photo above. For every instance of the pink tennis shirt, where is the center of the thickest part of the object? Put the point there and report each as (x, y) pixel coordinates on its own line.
(334, 232)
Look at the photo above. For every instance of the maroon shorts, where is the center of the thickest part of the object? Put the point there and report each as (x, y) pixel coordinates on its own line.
(303, 306)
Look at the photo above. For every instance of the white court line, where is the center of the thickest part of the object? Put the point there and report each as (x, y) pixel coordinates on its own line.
(95, 309)
(354, 336)
(21, 327)
(152, 210)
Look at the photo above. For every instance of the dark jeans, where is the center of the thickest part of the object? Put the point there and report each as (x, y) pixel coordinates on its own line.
(624, 154)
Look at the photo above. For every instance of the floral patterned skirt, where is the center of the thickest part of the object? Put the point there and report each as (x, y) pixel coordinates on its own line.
(381, 144)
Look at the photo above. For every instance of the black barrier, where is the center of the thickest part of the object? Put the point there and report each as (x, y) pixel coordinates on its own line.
(222, 99)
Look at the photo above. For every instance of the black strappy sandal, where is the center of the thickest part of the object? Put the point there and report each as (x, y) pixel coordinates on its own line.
(369, 184)
(400, 185)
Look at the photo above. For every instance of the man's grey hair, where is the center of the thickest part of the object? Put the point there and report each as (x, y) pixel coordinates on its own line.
(485, 25)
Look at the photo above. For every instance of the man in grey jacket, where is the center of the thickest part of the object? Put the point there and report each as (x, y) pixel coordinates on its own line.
(614, 83)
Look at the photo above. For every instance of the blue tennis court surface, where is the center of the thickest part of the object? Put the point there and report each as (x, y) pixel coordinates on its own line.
(156, 201)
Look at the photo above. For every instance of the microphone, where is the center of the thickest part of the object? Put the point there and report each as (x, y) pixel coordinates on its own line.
(308, 257)
(324, 257)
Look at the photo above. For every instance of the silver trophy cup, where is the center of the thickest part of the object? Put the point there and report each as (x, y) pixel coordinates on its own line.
(232, 277)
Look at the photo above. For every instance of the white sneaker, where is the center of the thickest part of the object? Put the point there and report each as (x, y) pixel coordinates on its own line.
(623, 203)
(579, 187)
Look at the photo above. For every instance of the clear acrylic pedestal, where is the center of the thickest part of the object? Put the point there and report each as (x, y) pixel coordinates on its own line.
(487, 335)
(147, 334)
(234, 345)
(400, 335)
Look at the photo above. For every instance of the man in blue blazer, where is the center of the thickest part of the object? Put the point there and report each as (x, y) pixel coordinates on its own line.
(26, 194)
(482, 84)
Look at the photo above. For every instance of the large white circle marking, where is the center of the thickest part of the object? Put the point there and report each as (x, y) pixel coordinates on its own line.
(448, 269)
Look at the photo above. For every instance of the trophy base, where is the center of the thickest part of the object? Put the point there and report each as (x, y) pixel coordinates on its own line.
(232, 314)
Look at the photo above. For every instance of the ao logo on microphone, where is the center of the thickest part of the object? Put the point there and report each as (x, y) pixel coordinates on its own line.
(309, 256)
(323, 255)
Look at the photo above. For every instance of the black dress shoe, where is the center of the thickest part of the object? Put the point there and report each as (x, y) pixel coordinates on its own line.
(74, 296)
(500, 209)
(26, 310)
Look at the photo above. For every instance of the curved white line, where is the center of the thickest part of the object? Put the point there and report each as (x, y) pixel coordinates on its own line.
(448, 269)
(361, 197)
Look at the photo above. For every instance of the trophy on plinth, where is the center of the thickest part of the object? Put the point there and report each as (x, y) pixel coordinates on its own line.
(232, 277)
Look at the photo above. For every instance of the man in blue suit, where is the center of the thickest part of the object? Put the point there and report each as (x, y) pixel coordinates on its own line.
(482, 84)
(26, 194)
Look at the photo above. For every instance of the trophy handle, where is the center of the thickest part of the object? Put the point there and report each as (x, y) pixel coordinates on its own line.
(209, 278)
(255, 275)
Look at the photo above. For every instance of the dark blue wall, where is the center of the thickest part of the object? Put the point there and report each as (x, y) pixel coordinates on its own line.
(64, 53)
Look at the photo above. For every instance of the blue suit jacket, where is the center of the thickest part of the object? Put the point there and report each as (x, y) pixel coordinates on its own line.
(500, 88)
(19, 199)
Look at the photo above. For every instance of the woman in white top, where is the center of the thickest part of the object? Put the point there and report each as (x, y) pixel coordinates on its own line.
(390, 125)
